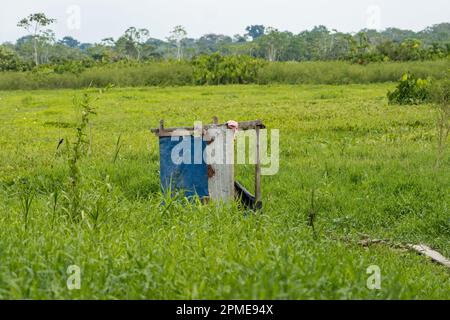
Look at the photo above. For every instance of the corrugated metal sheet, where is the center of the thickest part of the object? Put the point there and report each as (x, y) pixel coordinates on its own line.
(220, 167)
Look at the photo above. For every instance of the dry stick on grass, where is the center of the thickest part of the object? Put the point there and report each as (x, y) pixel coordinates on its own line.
(434, 255)
(420, 248)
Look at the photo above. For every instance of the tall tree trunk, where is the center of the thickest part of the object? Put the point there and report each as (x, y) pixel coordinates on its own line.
(272, 53)
(138, 50)
(179, 53)
(36, 60)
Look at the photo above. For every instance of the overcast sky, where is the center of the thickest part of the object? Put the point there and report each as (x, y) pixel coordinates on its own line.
(93, 20)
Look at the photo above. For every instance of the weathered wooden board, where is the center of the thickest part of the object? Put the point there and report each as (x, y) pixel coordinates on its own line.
(243, 125)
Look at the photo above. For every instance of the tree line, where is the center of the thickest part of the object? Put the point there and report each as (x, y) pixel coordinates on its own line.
(39, 46)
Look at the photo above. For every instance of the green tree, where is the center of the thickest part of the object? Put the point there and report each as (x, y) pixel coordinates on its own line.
(133, 42)
(69, 42)
(255, 31)
(411, 49)
(177, 36)
(211, 42)
(46, 41)
(9, 61)
(34, 24)
(237, 38)
(273, 43)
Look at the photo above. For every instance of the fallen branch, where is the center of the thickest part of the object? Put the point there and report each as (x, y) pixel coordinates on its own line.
(420, 248)
(427, 251)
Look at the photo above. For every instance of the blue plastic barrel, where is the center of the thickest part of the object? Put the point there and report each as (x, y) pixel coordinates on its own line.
(191, 177)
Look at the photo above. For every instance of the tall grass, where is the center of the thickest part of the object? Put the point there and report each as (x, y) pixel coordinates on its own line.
(350, 164)
(180, 74)
(154, 74)
(337, 72)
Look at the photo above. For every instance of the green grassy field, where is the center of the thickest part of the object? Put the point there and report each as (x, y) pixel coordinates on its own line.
(371, 166)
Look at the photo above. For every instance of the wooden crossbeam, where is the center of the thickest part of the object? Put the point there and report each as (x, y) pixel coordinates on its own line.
(244, 125)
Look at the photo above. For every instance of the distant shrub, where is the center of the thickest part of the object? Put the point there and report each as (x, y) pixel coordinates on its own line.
(410, 90)
(73, 66)
(9, 61)
(217, 69)
(439, 92)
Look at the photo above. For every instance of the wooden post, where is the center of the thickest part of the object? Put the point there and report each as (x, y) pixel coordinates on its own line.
(161, 126)
(257, 173)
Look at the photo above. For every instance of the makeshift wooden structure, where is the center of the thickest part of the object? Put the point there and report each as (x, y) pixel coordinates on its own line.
(190, 172)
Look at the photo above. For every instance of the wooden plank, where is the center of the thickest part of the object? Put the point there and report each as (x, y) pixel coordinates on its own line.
(244, 125)
(248, 125)
(157, 131)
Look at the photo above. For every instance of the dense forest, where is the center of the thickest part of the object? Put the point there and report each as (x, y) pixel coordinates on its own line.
(40, 47)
